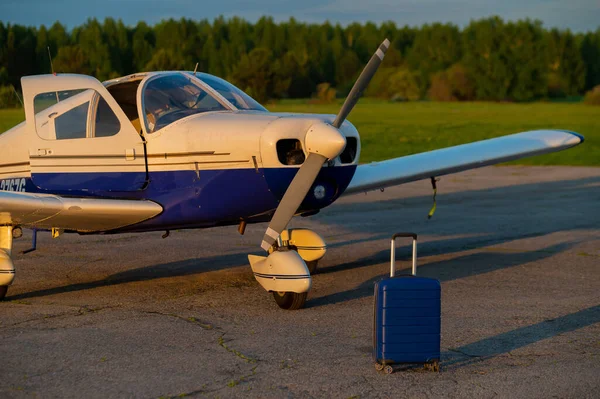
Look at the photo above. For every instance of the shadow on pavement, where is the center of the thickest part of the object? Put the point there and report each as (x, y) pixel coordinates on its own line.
(532, 201)
(506, 342)
(527, 196)
(173, 269)
(446, 270)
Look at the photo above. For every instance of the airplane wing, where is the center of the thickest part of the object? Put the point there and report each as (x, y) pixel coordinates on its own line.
(378, 175)
(46, 211)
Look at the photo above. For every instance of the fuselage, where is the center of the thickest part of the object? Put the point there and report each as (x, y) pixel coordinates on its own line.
(206, 169)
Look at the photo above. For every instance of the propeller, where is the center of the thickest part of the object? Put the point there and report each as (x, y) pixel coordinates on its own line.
(323, 142)
(361, 83)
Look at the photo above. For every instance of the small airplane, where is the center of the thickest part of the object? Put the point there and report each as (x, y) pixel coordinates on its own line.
(158, 151)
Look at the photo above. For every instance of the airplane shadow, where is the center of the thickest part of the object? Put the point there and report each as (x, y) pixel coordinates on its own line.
(529, 202)
(172, 269)
(491, 347)
(526, 192)
(428, 248)
(446, 270)
(404, 209)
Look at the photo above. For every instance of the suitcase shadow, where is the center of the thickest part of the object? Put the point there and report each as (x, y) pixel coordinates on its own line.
(500, 344)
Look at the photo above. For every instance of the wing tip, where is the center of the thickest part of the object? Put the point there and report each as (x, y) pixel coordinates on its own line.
(580, 136)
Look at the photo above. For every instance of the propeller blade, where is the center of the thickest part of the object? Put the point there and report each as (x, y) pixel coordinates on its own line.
(322, 142)
(293, 198)
(361, 83)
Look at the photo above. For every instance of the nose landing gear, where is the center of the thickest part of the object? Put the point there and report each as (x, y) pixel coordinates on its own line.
(285, 274)
(286, 271)
(290, 300)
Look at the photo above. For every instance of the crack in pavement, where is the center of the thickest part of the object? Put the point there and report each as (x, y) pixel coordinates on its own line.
(233, 383)
(81, 310)
(204, 391)
(191, 320)
(239, 354)
(205, 326)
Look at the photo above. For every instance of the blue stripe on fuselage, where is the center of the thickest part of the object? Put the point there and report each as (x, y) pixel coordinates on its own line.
(214, 197)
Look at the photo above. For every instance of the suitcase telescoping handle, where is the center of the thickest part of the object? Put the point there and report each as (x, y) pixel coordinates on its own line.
(393, 253)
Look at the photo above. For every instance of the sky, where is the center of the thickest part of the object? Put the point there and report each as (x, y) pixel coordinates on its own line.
(577, 15)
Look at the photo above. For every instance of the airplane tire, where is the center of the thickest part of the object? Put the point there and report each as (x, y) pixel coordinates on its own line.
(3, 291)
(312, 266)
(290, 300)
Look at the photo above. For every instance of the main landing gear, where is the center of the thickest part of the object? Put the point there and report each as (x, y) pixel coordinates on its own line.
(7, 269)
(286, 271)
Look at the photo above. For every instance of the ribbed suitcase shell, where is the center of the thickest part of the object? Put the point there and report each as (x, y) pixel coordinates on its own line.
(407, 320)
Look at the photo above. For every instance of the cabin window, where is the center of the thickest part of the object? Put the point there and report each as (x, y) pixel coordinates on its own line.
(74, 114)
(72, 124)
(44, 101)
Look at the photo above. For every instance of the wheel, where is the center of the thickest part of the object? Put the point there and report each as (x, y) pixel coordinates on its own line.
(433, 366)
(3, 290)
(388, 369)
(378, 366)
(290, 300)
(312, 266)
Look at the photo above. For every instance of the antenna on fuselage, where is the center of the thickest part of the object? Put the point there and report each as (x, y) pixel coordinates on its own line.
(52, 69)
(50, 57)
(195, 69)
(18, 97)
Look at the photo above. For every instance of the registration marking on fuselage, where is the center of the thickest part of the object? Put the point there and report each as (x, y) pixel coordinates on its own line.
(13, 184)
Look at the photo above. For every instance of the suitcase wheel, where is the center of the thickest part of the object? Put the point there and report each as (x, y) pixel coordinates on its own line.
(388, 369)
(378, 366)
(433, 366)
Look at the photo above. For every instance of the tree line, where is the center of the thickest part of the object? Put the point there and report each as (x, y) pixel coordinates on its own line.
(490, 59)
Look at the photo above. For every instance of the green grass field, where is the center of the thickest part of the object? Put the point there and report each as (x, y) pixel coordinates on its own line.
(390, 130)
(10, 118)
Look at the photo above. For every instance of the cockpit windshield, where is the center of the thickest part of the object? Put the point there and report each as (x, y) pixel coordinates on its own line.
(169, 98)
(234, 95)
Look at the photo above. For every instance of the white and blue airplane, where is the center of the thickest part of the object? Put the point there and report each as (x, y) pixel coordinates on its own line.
(157, 151)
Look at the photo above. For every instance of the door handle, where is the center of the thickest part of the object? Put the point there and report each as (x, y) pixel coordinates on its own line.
(44, 151)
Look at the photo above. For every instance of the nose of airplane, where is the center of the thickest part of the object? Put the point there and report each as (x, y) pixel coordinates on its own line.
(287, 142)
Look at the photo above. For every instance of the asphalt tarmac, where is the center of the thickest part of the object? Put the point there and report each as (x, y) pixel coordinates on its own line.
(517, 250)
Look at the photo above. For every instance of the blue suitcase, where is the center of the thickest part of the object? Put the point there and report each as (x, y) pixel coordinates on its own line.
(407, 317)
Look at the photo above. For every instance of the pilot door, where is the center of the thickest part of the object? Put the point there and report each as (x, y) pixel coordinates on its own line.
(80, 138)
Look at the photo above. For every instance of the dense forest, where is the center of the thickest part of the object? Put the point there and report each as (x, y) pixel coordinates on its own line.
(490, 59)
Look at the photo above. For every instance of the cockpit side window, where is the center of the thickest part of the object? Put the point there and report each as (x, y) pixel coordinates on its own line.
(173, 97)
(107, 124)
